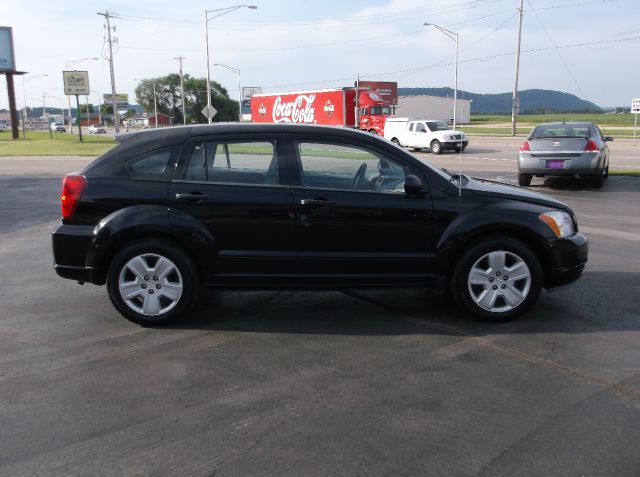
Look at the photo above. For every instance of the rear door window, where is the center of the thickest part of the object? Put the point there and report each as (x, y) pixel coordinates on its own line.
(246, 162)
(154, 165)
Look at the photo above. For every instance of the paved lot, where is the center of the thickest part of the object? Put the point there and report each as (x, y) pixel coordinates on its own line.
(311, 383)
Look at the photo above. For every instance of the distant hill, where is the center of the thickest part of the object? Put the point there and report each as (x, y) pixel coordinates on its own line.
(532, 101)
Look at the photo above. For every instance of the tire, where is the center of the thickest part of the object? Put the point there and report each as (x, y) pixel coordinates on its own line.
(373, 131)
(606, 172)
(132, 270)
(524, 180)
(395, 141)
(598, 180)
(487, 264)
(436, 147)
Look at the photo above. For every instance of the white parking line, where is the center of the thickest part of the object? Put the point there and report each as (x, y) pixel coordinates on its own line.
(628, 167)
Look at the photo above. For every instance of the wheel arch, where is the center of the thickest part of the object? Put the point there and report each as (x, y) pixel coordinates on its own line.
(450, 249)
(139, 223)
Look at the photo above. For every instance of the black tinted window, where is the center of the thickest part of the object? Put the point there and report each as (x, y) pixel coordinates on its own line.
(250, 162)
(152, 165)
(347, 167)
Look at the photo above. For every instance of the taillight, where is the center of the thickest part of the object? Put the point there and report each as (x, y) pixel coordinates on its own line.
(524, 147)
(591, 146)
(72, 188)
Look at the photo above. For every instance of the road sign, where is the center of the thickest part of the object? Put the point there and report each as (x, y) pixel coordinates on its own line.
(516, 105)
(635, 105)
(249, 91)
(209, 113)
(76, 83)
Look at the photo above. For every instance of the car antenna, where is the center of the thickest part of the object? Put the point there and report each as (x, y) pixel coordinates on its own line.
(460, 169)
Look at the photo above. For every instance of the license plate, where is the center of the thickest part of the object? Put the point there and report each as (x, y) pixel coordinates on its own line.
(555, 164)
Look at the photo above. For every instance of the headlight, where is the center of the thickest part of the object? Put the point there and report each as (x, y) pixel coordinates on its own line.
(559, 222)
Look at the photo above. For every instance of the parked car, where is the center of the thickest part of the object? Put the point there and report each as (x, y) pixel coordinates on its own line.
(58, 127)
(285, 206)
(564, 149)
(97, 129)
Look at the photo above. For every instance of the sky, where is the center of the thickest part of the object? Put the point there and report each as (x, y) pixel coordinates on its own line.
(584, 47)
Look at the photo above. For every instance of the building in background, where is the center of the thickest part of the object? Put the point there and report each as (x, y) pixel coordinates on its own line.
(434, 107)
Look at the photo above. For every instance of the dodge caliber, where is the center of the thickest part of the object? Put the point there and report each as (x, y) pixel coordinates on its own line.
(275, 206)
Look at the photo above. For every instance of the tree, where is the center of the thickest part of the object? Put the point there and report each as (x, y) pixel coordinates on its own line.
(83, 108)
(169, 99)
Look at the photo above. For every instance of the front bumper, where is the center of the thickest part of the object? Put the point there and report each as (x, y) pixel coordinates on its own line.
(568, 260)
(451, 145)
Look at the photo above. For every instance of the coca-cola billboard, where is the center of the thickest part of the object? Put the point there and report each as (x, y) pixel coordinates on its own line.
(388, 90)
(324, 107)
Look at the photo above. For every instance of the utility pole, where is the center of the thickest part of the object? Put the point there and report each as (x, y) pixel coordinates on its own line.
(515, 104)
(116, 116)
(184, 114)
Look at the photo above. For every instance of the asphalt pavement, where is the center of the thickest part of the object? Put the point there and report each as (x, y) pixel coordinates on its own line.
(385, 382)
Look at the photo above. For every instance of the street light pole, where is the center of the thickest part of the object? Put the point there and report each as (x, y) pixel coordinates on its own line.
(184, 109)
(454, 36)
(220, 12)
(515, 103)
(155, 104)
(25, 114)
(236, 71)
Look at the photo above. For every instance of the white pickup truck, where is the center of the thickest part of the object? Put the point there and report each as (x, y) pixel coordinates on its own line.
(424, 134)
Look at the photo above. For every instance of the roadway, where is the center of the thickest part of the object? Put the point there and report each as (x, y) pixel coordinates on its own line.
(321, 383)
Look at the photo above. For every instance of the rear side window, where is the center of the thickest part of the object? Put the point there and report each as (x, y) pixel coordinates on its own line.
(152, 165)
(250, 162)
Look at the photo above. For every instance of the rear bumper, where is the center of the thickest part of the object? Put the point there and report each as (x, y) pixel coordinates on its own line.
(585, 164)
(568, 260)
(72, 253)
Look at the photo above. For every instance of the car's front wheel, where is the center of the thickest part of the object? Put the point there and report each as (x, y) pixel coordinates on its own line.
(498, 278)
(436, 146)
(152, 282)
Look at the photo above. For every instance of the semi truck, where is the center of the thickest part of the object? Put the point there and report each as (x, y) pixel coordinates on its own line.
(330, 107)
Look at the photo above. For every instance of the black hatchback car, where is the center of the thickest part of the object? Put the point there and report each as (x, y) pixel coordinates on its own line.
(292, 206)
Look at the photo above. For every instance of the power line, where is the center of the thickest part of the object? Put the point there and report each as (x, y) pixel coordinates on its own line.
(418, 69)
(354, 21)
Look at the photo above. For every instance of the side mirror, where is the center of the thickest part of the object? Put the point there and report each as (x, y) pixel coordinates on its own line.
(608, 138)
(413, 186)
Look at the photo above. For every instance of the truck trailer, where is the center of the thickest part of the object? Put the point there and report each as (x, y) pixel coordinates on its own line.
(329, 107)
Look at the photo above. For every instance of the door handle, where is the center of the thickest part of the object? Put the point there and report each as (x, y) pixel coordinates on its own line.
(195, 197)
(317, 202)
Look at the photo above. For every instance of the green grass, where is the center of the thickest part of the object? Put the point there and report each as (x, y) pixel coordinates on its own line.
(602, 120)
(620, 125)
(625, 172)
(524, 130)
(39, 143)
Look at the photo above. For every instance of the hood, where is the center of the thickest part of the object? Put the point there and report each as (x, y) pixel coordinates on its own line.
(489, 188)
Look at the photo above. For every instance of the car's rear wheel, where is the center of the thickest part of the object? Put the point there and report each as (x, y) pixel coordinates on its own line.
(436, 147)
(524, 180)
(498, 278)
(597, 181)
(395, 141)
(152, 282)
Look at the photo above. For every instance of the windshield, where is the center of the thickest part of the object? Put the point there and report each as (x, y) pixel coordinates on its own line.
(381, 110)
(437, 126)
(560, 130)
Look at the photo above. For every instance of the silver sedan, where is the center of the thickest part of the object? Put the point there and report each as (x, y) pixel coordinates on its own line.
(564, 149)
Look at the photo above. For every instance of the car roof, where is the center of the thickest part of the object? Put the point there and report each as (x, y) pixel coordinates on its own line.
(568, 123)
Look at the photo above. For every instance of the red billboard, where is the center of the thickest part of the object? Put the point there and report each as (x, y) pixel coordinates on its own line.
(328, 107)
(388, 90)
